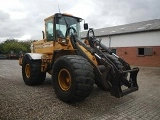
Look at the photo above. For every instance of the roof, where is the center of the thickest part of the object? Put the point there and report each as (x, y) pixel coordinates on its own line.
(150, 25)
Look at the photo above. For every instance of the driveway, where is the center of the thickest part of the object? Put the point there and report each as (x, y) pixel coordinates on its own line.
(19, 101)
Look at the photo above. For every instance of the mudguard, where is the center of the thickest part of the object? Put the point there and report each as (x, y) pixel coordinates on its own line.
(34, 56)
(31, 56)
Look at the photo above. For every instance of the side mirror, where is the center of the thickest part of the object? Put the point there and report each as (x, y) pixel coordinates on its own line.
(85, 26)
(43, 34)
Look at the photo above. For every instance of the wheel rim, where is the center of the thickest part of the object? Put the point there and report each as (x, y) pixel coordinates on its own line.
(27, 70)
(64, 79)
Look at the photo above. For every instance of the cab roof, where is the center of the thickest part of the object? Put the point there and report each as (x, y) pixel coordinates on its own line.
(64, 14)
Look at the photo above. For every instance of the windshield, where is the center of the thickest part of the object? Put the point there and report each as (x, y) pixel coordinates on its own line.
(65, 22)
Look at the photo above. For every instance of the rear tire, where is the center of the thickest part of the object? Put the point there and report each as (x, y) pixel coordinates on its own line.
(31, 72)
(72, 78)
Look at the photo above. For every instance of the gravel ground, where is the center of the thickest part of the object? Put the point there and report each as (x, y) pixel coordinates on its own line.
(22, 102)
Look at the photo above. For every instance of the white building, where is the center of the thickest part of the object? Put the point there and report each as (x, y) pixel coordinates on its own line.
(137, 43)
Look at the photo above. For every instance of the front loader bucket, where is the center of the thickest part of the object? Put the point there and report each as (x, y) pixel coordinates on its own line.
(125, 83)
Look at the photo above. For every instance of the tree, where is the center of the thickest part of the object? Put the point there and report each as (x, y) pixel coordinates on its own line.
(15, 46)
(1, 48)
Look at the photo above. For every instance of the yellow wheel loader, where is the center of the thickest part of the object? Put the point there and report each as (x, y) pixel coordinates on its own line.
(74, 64)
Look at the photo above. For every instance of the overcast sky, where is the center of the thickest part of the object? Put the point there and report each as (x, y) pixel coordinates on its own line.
(24, 19)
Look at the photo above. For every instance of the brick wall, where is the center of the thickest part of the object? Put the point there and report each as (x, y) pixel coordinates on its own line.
(130, 55)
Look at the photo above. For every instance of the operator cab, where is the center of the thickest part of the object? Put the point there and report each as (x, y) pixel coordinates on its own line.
(61, 26)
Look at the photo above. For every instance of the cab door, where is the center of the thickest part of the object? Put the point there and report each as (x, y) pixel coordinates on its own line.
(49, 35)
(49, 29)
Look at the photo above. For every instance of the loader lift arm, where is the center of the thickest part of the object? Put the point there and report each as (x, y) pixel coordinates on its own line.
(121, 75)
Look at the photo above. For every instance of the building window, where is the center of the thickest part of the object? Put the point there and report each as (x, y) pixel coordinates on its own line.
(140, 51)
(144, 51)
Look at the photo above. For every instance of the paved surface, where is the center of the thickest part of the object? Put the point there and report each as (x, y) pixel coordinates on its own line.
(19, 101)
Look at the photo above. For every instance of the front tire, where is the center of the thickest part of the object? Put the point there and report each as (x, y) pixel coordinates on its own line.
(73, 78)
(31, 72)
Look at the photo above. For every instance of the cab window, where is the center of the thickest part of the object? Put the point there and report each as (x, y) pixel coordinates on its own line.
(61, 30)
(49, 30)
(65, 22)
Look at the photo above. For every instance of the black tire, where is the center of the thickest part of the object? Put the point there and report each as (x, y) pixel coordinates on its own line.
(79, 73)
(115, 60)
(31, 72)
(104, 85)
